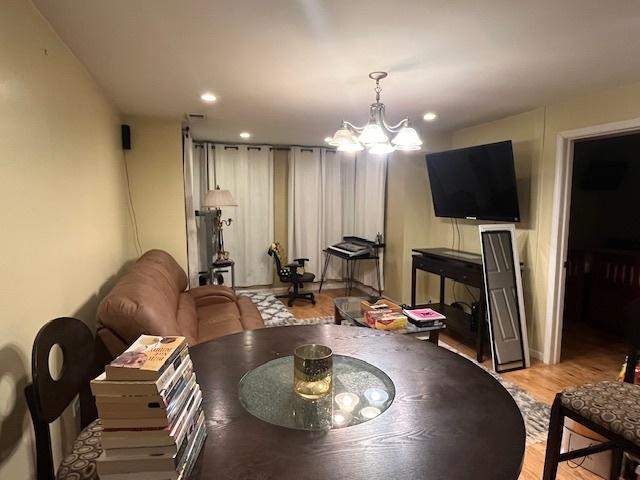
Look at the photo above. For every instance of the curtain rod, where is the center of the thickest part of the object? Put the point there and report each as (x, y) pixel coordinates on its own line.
(271, 147)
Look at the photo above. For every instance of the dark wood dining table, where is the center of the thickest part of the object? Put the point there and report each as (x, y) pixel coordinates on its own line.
(450, 419)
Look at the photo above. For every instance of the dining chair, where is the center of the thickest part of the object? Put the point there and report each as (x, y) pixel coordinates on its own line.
(609, 408)
(49, 397)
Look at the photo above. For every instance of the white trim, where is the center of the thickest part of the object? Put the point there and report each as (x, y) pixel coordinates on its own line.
(511, 228)
(560, 227)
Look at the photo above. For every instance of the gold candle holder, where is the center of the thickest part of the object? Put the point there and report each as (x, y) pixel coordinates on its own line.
(312, 371)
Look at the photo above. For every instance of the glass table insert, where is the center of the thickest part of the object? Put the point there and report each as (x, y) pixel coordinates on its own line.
(360, 393)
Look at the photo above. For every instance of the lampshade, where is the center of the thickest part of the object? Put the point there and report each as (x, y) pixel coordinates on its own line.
(351, 147)
(219, 198)
(407, 137)
(381, 148)
(342, 137)
(371, 134)
(408, 148)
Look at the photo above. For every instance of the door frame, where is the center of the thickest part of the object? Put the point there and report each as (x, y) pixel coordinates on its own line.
(560, 226)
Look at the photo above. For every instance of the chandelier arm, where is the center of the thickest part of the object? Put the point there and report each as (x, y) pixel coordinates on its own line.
(395, 128)
(352, 126)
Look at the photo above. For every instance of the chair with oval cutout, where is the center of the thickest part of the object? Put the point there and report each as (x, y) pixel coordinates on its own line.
(48, 397)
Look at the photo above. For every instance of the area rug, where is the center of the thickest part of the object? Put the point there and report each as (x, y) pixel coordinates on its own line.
(534, 412)
(275, 313)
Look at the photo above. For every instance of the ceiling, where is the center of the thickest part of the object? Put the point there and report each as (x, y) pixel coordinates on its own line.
(289, 70)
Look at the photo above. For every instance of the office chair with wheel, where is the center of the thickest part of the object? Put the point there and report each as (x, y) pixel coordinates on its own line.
(293, 274)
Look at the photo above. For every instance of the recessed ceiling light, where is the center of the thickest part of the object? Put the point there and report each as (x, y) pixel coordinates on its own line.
(208, 97)
(245, 135)
(430, 116)
(328, 139)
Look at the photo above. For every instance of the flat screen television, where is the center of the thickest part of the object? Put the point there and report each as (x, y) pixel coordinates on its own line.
(477, 183)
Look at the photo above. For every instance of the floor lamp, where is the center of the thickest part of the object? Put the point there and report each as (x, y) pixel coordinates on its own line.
(214, 200)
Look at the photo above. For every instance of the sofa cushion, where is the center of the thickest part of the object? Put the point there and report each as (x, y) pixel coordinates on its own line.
(249, 315)
(218, 319)
(187, 318)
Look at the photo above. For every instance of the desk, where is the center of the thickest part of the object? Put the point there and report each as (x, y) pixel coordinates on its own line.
(465, 268)
(351, 267)
(449, 420)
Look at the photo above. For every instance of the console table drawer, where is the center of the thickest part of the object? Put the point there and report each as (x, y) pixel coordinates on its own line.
(466, 273)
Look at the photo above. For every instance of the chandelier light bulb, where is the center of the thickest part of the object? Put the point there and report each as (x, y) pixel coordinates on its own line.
(350, 147)
(381, 148)
(372, 134)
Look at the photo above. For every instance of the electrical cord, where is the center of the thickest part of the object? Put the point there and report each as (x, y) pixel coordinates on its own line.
(132, 211)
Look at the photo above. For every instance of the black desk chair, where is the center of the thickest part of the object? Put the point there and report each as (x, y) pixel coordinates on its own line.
(609, 408)
(294, 274)
(48, 398)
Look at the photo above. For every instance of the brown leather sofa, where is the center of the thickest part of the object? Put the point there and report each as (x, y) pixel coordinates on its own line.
(150, 298)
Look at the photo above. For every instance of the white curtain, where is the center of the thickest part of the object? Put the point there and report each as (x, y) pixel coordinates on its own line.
(247, 172)
(332, 195)
(315, 206)
(200, 187)
(192, 231)
(369, 209)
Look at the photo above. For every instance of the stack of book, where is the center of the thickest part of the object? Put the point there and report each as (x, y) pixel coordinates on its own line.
(151, 410)
(424, 317)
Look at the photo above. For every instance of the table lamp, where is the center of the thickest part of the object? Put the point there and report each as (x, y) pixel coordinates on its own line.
(215, 200)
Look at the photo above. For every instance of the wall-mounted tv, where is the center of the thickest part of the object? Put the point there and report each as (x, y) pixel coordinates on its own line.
(477, 183)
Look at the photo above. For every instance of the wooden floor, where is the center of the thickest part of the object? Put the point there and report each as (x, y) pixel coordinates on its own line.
(587, 357)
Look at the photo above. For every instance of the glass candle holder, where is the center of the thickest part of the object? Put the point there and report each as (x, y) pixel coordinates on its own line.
(312, 371)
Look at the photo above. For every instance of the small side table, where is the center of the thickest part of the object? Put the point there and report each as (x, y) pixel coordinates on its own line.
(223, 264)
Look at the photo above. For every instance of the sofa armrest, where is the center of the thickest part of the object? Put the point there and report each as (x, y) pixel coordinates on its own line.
(211, 294)
(108, 345)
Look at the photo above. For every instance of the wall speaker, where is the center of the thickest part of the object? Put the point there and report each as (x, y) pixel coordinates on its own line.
(126, 136)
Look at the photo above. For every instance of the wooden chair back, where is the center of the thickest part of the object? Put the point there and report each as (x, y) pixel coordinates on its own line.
(48, 397)
(632, 334)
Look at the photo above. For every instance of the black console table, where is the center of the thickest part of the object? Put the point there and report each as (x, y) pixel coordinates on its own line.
(462, 267)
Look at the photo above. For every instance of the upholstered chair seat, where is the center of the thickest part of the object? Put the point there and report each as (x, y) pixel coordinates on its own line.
(612, 405)
(80, 463)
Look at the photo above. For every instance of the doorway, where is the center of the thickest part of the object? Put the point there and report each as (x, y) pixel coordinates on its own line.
(603, 249)
(559, 246)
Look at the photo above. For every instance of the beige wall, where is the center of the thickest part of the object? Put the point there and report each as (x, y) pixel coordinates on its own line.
(157, 185)
(409, 217)
(65, 227)
(525, 130)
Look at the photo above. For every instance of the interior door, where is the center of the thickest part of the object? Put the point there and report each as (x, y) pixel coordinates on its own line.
(502, 298)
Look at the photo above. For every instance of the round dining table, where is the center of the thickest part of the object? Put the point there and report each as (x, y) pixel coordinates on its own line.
(450, 419)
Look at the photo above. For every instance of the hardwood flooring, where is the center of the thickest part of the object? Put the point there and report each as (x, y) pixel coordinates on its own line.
(587, 356)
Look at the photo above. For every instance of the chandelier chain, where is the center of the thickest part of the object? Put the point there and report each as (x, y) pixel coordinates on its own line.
(378, 89)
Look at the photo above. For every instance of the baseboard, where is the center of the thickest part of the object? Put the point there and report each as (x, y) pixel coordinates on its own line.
(535, 354)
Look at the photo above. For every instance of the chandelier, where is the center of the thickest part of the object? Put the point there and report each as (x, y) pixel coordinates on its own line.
(375, 135)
